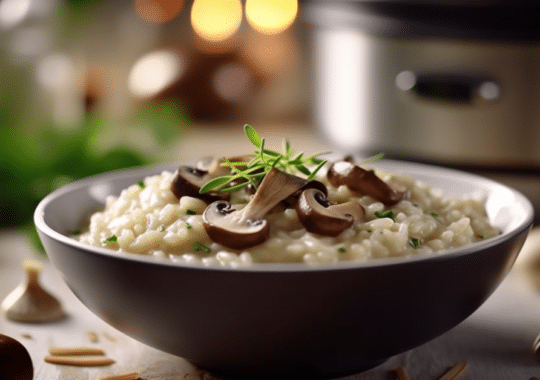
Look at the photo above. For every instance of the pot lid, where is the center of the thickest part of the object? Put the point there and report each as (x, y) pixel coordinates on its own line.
(470, 19)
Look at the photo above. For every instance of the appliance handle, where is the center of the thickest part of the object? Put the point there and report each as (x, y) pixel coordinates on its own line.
(456, 88)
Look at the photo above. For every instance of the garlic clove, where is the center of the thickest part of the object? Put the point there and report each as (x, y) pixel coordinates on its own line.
(15, 362)
(29, 302)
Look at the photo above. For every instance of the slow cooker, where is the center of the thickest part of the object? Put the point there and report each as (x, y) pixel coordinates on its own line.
(446, 82)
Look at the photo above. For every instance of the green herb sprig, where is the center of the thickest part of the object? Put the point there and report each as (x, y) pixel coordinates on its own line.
(264, 159)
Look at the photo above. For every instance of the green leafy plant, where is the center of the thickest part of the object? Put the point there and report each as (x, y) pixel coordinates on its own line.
(252, 172)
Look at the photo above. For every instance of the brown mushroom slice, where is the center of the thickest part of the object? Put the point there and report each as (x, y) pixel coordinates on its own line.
(291, 200)
(245, 228)
(189, 180)
(363, 182)
(319, 216)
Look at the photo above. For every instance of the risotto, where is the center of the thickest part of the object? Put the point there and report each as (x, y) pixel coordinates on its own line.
(343, 213)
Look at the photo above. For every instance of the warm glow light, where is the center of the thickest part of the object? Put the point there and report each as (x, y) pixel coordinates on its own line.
(271, 55)
(158, 11)
(13, 11)
(216, 20)
(271, 17)
(154, 72)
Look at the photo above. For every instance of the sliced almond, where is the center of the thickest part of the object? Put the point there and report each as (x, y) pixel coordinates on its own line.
(402, 373)
(92, 336)
(456, 371)
(122, 376)
(78, 361)
(75, 351)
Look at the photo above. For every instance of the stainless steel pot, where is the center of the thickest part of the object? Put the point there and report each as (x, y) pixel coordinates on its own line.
(433, 88)
(448, 82)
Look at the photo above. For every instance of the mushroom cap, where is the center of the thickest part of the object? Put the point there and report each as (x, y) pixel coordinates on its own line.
(317, 215)
(15, 362)
(225, 226)
(189, 180)
(363, 182)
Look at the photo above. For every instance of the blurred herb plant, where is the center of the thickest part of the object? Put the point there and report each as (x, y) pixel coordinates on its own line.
(36, 160)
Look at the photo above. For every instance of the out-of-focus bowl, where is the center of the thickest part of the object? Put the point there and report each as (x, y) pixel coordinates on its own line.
(288, 319)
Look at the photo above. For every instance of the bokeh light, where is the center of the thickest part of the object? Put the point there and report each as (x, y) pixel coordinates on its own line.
(158, 11)
(216, 20)
(56, 71)
(154, 72)
(233, 82)
(13, 12)
(271, 54)
(271, 17)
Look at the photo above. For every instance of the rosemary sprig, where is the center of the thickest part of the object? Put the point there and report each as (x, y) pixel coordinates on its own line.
(252, 172)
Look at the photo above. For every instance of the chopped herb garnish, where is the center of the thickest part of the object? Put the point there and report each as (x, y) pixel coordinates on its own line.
(190, 212)
(264, 159)
(199, 247)
(141, 184)
(189, 226)
(415, 242)
(434, 213)
(111, 239)
(162, 229)
(76, 232)
(341, 250)
(385, 214)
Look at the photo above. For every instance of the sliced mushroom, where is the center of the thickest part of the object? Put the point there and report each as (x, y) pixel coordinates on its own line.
(363, 182)
(189, 180)
(291, 200)
(319, 216)
(244, 228)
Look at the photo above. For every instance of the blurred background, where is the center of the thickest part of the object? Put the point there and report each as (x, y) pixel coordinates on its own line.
(88, 86)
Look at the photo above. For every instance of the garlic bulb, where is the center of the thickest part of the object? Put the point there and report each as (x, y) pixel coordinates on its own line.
(29, 302)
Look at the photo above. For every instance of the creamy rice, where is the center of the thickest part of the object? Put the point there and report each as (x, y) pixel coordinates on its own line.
(147, 219)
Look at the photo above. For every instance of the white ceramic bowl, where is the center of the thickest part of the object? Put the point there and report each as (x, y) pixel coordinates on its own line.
(286, 319)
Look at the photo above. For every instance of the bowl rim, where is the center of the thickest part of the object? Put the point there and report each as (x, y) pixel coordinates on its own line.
(446, 254)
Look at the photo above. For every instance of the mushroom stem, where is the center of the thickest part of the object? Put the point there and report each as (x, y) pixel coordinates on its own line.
(245, 228)
(275, 186)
